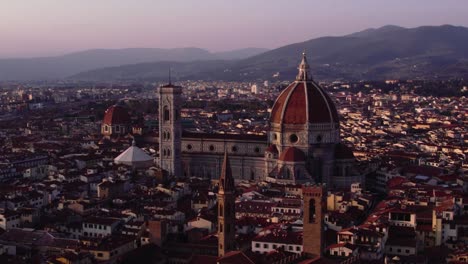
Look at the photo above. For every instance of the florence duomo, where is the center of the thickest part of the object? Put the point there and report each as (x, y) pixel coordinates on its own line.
(233, 132)
(302, 145)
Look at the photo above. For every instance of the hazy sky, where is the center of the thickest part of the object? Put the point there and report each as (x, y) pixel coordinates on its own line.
(51, 27)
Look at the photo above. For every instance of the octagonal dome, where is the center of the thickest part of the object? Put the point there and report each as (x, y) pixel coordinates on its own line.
(116, 115)
(303, 101)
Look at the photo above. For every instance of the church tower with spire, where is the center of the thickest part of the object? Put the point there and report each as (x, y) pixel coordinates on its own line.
(226, 209)
(170, 130)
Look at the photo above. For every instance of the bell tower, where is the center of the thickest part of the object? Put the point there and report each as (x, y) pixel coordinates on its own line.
(312, 238)
(170, 129)
(226, 210)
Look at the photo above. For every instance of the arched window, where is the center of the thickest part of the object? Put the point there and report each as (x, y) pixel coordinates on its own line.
(166, 113)
(168, 135)
(311, 211)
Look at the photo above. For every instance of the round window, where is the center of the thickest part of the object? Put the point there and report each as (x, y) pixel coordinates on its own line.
(257, 149)
(293, 138)
(211, 147)
(189, 147)
(234, 149)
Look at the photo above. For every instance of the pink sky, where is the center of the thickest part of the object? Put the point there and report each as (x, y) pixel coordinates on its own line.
(52, 27)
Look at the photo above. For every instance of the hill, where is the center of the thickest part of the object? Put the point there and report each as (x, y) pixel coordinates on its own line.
(62, 66)
(389, 52)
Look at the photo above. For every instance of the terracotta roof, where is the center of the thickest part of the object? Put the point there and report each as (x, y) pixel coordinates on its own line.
(292, 154)
(303, 102)
(115, 115)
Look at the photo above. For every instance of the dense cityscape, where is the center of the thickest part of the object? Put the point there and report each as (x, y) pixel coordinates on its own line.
(233, 132)
(73, 190)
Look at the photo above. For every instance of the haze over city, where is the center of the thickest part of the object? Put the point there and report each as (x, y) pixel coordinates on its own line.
(54, 27)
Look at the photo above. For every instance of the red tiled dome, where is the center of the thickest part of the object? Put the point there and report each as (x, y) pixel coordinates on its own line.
(292, 154)
(303, 102)
(116, 115)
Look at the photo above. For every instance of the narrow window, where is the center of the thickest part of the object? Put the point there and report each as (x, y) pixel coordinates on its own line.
(166, 113)
(311, 211)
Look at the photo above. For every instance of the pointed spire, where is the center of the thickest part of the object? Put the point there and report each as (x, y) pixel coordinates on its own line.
(304, 74)
(226, 181)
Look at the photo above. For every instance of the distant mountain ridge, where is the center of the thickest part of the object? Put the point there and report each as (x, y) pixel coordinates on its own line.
(59, 67)
(389, 52)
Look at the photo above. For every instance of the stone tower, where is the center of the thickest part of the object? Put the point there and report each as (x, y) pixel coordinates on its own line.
(226, 209)
(312, 239)
(170, 129)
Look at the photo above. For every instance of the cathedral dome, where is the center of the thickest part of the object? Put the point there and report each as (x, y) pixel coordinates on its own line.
(116, 115)
(303, 101)
(292, 154)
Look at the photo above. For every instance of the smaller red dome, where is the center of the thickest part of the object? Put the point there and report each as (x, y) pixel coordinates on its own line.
(116, 115)
(292, 154)
(272, 149)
